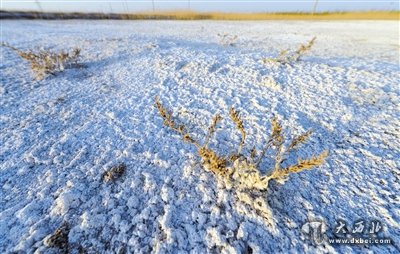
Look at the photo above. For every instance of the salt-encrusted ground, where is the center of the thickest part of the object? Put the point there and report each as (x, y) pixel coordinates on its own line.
(59, 135)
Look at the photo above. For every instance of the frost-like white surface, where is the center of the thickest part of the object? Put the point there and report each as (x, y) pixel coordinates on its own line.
(59, 135)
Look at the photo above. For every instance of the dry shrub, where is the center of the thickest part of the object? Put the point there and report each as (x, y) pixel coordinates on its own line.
(237, 170)
(288, 57)
(46, 62)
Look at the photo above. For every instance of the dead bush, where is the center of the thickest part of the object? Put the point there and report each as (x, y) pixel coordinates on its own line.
(46, 62)
(238, 170)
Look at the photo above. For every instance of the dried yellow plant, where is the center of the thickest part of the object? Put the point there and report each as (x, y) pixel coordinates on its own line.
(237, 170)
(46, 62)
(288, 57)
(302, 50)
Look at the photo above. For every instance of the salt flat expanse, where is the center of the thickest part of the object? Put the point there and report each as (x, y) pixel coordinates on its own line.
(59, 135)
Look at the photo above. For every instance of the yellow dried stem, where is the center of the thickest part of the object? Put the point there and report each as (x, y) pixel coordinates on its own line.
(276, 131)
(169, 122)
(211, 129)
(301, 165)
(235, 116)
(302, 50)
(296, 142)
(279, 155)
(275, 138)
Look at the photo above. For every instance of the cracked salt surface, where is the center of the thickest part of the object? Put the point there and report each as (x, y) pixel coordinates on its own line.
(59, 135)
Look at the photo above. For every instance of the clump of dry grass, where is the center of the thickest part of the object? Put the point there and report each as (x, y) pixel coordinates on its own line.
(59, 239)
(227, 39)
(238, 170)
(46, 62)
(288, 57)
(114, 173)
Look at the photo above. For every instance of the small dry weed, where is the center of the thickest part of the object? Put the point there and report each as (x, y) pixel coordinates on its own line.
(288, 57)
(46, 62)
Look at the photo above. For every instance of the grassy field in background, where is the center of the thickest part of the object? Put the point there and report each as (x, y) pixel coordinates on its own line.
(189, 15)
(277, 16)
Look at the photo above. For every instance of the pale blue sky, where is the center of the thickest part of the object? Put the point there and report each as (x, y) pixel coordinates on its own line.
(198, 5)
